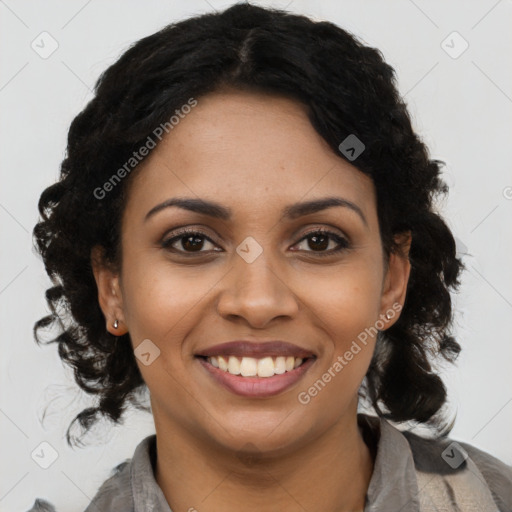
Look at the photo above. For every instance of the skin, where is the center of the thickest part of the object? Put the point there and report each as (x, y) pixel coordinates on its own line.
(218, 451)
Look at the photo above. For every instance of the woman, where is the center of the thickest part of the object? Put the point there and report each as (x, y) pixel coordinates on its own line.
(245, 224)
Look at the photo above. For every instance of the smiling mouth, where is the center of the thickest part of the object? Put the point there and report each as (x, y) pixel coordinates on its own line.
(255, 367)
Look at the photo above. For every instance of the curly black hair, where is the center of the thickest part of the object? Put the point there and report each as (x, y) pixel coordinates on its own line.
(347, 88)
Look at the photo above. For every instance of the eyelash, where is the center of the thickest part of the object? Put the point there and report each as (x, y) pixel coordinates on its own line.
(183, 233)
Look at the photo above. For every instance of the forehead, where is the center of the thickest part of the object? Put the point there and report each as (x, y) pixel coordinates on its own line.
(247, 150)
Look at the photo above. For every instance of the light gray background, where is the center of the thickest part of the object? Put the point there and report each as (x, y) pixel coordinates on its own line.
(461, 106)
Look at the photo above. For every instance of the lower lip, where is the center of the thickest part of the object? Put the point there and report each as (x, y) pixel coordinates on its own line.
(257, 387)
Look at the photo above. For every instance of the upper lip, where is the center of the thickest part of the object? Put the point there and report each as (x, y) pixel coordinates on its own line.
(243, 348)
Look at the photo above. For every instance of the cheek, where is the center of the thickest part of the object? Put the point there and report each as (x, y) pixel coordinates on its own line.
(159, 298)
(347, 308)
(349, 300)
(165, 303)
(161, 304)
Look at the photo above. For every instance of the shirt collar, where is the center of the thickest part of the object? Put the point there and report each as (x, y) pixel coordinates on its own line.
(392, 487)
(147, 494)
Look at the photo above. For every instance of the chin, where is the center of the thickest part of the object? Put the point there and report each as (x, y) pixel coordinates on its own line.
(260, 432)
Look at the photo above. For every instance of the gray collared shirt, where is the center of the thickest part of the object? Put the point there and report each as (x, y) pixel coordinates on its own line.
(411, 474)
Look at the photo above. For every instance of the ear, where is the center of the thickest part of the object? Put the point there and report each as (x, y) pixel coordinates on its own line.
(109, 292)
(396, 279)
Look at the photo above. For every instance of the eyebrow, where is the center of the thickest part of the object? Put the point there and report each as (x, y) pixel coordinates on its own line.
(290, 212)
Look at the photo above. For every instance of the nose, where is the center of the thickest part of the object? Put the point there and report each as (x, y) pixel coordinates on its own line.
(256, 293)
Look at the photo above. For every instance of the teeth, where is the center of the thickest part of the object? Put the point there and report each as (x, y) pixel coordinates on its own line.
(248, 366)
(280, 365)
(266, 367)
(252, 367)
(223, 364)
(234, 365)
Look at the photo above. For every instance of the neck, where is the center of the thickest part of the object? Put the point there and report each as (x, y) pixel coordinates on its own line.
(331, 473)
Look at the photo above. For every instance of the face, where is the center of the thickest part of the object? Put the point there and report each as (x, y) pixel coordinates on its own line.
(261, 264)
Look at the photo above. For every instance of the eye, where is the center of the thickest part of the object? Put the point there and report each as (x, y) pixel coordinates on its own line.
(320, 239)
(187, 241)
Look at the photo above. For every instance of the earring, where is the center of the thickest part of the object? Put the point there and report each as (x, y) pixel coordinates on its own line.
(388, 317)
(116, 324)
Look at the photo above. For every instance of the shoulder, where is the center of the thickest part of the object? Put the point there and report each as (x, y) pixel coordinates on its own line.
(131, 485)
(115, 492)
(446, 457)
(497, 474)
(41, 505)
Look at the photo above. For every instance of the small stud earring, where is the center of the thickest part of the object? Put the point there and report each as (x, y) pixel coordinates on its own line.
(388, 316)
(116, 324)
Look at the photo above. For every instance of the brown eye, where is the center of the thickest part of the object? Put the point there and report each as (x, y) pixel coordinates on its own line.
(320, 240)
(187, 242)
